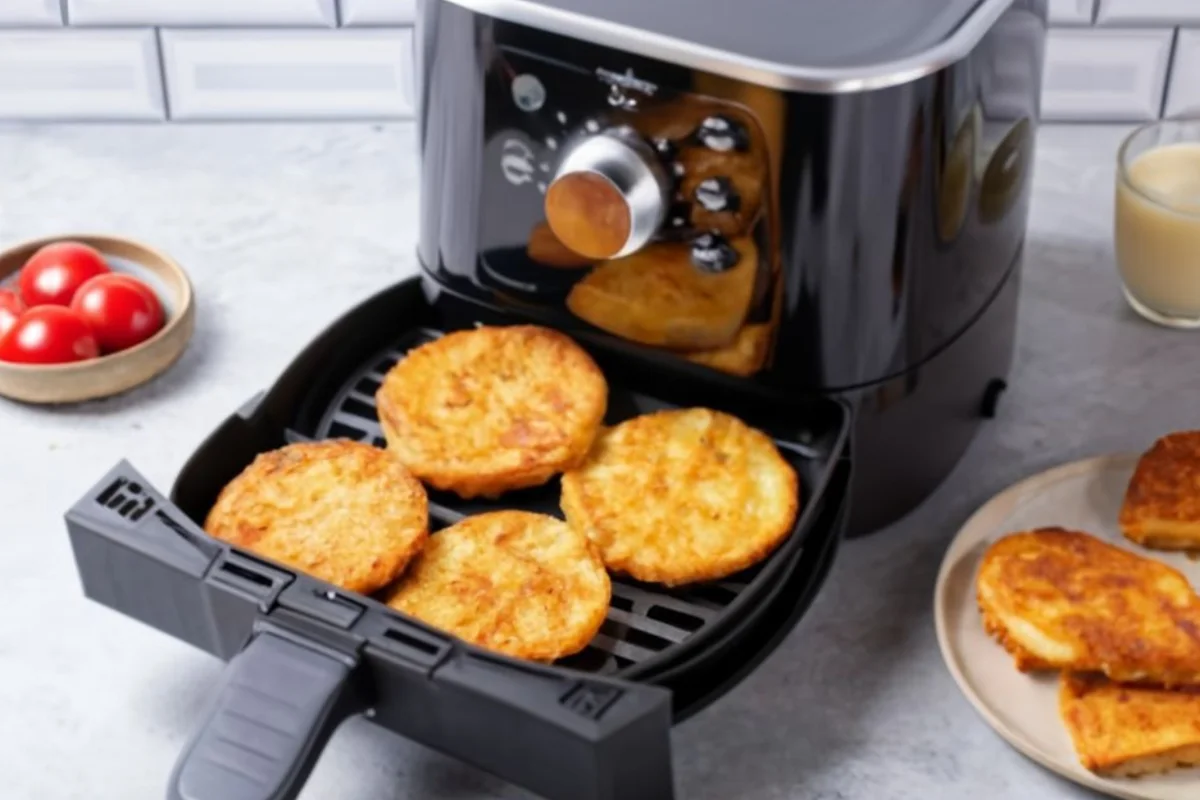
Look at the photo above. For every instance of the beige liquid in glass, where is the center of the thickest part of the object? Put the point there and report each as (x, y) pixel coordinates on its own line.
(1158, 230)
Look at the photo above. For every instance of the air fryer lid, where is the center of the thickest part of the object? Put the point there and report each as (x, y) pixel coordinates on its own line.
(810, 45)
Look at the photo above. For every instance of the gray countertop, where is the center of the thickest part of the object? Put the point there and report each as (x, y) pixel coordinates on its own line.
(284, 228)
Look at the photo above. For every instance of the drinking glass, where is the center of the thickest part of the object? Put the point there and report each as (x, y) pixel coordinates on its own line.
(1157, 226)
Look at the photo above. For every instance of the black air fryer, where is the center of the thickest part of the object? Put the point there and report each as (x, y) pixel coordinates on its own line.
(809, 214)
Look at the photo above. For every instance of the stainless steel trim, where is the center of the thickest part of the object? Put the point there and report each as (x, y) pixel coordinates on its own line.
(788, 77)
(630, 166)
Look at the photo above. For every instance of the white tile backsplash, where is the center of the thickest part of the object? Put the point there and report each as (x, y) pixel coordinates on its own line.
(378, 12)
(1106, 60)
(1072, 12)
(30, 12)
(75, 74)
(202, 12)
(1116, 75)
(1148, 12)
(1183, 94)
(284, 74)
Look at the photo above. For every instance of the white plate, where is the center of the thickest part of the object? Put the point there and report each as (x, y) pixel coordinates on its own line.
(1085, 495)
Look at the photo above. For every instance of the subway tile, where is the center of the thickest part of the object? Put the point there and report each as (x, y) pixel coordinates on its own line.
(1110, 75)
(1148, 12)
(75, 75)
(202, 12)
(1072, 12)
(1183, 95)
(378, 12)
(30, 12)
(288, 74)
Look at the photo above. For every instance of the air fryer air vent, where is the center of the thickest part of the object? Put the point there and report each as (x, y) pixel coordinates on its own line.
(642, 621)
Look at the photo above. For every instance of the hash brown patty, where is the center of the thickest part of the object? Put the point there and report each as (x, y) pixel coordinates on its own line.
(523, 584)
(1161, 509)
(682, 496)
(342, 511)
(485, 411)
(1060, 599)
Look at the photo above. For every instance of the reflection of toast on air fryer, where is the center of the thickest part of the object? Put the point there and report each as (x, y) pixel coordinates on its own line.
(545, 248)
(723, 190)
(744, 357)
(722, 151)
(497, 408)
(660, 296)
(1123, 629)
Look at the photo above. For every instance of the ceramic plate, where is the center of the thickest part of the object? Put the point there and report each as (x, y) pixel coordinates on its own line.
(1023, 709)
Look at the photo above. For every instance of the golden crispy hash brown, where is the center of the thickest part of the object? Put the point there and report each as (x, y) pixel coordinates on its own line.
(1162, 503)
(682, 496)
(341, 511)
(484, 411)
(1130, 730)
(1059, 599)
(523, 584)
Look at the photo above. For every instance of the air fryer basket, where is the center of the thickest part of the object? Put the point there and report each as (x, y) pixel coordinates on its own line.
(304, 655)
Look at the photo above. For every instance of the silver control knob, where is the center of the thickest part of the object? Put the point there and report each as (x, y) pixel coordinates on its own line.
(609, 196)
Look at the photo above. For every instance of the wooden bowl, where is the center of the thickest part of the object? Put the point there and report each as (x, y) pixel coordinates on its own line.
(117, 372)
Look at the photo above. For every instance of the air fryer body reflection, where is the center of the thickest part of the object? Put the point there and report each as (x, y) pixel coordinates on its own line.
(860, 243)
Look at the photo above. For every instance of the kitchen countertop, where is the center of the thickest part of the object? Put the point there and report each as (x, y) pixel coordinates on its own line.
(285, 227)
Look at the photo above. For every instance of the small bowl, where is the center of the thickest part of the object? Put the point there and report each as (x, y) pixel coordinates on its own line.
(117, 372)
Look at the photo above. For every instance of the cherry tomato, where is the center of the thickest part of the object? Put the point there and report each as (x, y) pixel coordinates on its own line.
(121, 310)
(48, 335)
(11, 308)
(54, 273)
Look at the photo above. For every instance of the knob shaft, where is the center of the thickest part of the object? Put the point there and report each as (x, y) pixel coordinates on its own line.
(609, 196)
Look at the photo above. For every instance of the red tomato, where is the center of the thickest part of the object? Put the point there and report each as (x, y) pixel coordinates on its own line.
(48, 335)
(54, 273)
(11, 308)
(121, 310)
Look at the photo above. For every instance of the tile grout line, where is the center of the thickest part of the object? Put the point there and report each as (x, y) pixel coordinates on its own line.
(162, 74)
(1168, 73)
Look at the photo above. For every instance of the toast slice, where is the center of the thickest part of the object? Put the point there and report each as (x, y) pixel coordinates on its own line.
(1059, 599)
(1126, 731)
(1162, 502)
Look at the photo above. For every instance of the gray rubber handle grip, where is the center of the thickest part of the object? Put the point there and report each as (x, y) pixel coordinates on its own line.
(278, 704)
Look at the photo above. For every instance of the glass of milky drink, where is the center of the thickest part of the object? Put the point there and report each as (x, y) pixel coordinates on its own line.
(1158, 221)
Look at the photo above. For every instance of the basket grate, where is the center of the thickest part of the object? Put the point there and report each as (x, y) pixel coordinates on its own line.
(643, 621)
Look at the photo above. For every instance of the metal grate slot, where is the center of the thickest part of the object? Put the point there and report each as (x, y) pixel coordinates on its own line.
(678, 619)
(644, 621)
(622, 603)
(622, 648)
(339, 431)
(367, 387)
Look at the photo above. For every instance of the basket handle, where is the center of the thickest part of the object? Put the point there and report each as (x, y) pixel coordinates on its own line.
(278, 704)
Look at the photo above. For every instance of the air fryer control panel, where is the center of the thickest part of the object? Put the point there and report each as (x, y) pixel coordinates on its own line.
(629, 206)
